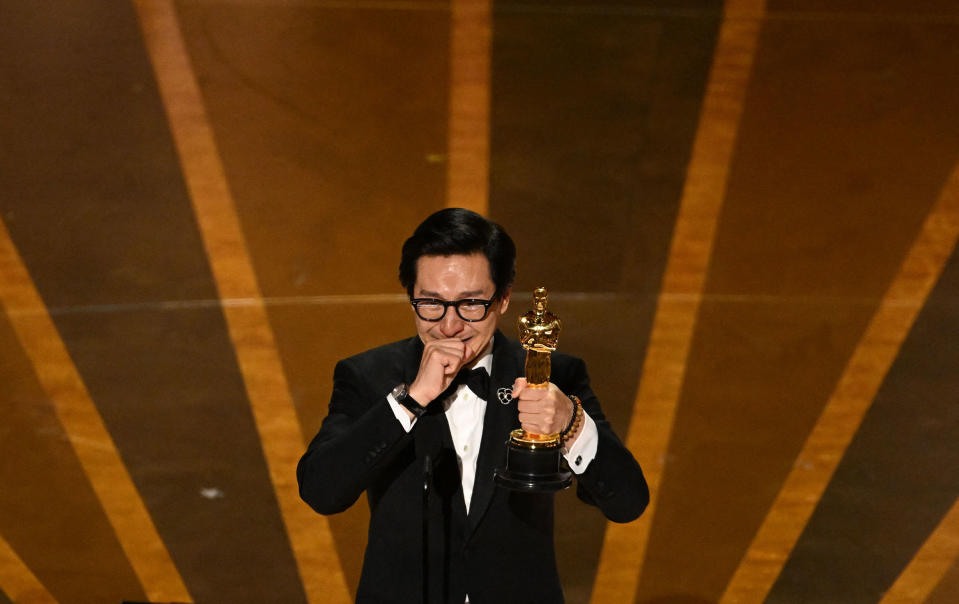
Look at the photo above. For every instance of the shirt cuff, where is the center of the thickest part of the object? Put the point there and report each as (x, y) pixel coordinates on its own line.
(400, 412)
(584, 449)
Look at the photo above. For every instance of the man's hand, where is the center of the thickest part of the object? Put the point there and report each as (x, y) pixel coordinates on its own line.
(543, 410)
(441, 361)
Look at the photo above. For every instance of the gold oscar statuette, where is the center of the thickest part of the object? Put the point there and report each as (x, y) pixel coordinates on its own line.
(533, 461)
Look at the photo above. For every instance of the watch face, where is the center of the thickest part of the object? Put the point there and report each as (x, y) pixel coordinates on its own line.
(400, 393)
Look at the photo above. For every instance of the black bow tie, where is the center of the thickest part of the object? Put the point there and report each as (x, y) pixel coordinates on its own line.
(476, 380)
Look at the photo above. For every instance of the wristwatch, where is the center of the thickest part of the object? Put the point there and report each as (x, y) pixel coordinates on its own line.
(402, 396)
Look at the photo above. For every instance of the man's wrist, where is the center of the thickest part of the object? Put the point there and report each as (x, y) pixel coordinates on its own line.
(403, 396)
(417, 394)
(580, 450)
(575, 425)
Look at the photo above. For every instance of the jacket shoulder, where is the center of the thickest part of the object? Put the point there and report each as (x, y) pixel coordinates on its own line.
(385, 366)
(386, 351)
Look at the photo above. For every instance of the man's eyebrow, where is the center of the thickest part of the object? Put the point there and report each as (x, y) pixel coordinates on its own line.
(471, 294)
(423, 293)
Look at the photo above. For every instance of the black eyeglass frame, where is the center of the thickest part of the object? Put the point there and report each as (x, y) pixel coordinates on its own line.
(455, 304)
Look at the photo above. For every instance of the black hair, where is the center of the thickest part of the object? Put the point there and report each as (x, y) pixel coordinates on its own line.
(455, 231)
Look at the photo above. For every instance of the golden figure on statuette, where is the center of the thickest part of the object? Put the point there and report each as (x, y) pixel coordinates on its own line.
(539, 334)
(533, 461)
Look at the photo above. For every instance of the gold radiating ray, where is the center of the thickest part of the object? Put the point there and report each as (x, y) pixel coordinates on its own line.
(849, 402)
(467, 172)
(312, 542)
(16, 580)
(84, 427)
(664, 368)
(930, 564)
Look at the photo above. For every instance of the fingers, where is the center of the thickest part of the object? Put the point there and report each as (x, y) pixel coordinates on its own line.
(537, 423)
(446, 354)
(440, 362)
(542, 410)
(518, 386)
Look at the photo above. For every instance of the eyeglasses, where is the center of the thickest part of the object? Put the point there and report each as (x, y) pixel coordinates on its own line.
(468, 309)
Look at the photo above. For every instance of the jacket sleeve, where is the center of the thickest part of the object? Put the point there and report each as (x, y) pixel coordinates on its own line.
(613, 480)
(359, 436)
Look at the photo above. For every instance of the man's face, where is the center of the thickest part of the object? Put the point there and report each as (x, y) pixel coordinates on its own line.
(453, 278)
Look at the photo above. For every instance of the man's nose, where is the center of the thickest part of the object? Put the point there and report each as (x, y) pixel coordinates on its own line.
(451, 324)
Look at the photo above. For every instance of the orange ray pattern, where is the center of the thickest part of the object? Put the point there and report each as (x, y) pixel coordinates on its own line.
(650, 428)
(88, 435)
(468, 162)
(931, 563)
(850, 401)
(312, 542)
(17, 581)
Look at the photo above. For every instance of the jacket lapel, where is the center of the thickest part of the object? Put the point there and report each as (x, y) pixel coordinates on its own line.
(499, 420)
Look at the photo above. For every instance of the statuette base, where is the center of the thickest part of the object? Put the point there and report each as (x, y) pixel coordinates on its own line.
(533, 467)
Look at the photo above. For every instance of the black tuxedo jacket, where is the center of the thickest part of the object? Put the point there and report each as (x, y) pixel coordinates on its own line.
(502, 551)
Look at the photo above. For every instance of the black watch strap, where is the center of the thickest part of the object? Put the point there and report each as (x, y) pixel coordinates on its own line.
(402, 396)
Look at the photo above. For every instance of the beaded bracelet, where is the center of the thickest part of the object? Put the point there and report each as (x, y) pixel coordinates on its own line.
(575, 420)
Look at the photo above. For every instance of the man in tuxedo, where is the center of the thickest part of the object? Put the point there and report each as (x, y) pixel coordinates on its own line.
(435, 408)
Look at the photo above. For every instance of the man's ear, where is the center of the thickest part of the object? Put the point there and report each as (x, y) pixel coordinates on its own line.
(504, 300)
